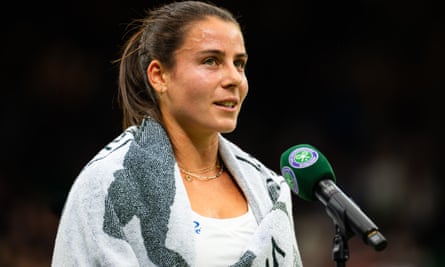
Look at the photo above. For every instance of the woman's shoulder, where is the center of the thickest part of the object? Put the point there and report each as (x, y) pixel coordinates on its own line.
(108, 159)
(98, 172)
(116, 146)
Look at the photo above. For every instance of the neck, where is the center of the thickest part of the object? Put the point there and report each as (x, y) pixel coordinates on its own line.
(194, 152)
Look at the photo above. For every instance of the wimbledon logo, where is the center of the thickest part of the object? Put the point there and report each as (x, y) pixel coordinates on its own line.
(303, 157)
(300, 158)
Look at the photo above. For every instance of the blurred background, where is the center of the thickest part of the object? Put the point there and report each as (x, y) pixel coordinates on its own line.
(360, 80)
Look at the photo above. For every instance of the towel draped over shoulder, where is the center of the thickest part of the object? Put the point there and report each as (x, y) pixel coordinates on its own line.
(129, 207)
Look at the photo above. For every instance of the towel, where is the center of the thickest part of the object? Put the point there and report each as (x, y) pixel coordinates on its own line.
(128, 207)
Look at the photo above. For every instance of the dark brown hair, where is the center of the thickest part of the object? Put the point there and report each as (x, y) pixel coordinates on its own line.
(157, 36)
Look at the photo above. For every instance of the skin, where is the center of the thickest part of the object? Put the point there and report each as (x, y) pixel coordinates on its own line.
(200, 98)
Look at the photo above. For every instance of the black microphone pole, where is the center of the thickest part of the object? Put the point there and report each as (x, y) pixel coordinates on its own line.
(348, 220)
(340, 248)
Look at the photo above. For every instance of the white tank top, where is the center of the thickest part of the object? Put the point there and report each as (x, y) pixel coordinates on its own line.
(221, 242)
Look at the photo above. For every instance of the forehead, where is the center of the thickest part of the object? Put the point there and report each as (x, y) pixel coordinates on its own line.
(214, 33)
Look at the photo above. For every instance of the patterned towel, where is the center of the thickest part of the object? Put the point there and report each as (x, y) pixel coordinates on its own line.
(129, 207)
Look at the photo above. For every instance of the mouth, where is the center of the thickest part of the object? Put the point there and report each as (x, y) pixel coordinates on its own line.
(226, 104)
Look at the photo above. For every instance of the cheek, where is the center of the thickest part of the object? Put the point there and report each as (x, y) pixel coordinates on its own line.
(199, 87)
(193, 94)
(189, 86)
(244, 90)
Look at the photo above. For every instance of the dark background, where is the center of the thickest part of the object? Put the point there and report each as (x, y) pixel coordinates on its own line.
(360, 80)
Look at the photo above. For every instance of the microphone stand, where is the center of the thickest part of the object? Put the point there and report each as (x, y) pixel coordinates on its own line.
(336, 207)
(340, 249)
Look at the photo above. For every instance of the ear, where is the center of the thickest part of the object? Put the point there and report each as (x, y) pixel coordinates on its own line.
(156, 76)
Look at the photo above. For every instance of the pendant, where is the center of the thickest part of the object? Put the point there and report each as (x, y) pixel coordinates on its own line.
(188, 178)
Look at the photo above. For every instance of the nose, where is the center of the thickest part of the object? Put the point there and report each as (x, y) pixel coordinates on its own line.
(233, 76)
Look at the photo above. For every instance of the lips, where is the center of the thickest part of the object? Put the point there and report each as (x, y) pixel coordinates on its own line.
(227, 104)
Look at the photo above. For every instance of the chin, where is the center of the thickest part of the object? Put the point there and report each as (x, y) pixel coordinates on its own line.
(226, 125)
(228, 129)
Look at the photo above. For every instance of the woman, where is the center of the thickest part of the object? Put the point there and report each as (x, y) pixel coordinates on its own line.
(171, 190)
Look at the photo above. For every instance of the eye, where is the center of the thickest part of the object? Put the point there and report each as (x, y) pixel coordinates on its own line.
(240, 64)
(210, 61)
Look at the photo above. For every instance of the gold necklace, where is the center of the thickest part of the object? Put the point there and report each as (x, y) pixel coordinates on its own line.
(200, 171)
(189, 175)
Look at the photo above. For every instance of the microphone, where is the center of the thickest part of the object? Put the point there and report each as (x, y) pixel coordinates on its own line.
(310, 176)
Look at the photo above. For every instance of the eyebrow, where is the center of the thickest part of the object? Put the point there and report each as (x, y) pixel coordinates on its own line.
(219, 52)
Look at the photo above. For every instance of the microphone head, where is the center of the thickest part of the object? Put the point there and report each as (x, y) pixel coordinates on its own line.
(303, 166)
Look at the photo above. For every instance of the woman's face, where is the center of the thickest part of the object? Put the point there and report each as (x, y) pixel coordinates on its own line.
(206, 87)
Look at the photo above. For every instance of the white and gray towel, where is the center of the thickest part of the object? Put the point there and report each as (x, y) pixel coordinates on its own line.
(129, 207)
